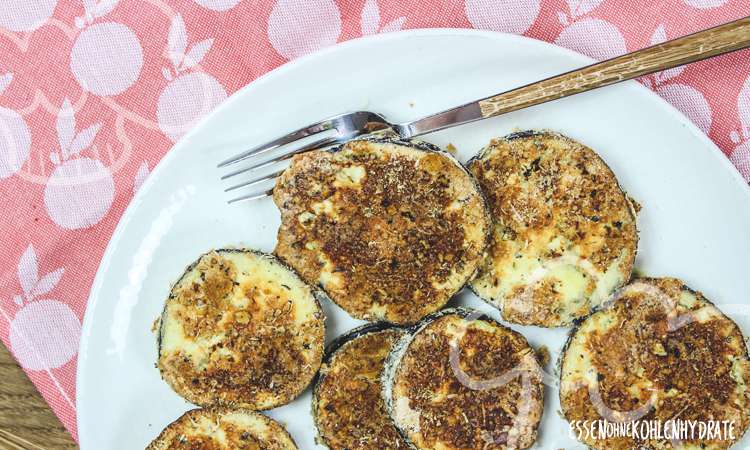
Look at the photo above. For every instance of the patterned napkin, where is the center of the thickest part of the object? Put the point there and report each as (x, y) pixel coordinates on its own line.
(94, 92)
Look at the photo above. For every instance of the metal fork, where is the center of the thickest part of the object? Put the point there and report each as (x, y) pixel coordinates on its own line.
(705, 44)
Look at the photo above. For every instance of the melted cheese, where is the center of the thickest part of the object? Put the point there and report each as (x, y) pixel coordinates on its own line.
(263, 273)
(578, 367)
(324, 207)
(349, 176)
(581, 286)
(405, 416)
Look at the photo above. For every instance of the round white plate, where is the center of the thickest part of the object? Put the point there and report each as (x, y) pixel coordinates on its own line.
(694, 223)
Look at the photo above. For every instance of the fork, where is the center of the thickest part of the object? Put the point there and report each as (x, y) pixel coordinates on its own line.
(336, 130)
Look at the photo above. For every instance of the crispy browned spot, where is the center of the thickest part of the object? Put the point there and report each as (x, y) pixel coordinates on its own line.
(394, 242)
(459, 416)
(686, 368)
(550, 198)
(349, 411)
(187, 433)
(237, 438)
(262, 357)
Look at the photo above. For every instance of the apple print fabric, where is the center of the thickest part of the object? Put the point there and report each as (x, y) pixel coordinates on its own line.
(93, 93)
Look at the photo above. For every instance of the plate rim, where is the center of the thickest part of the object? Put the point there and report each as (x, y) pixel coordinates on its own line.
(184, 142)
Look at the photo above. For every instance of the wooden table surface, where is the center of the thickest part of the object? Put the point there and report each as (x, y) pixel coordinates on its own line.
(26, 422)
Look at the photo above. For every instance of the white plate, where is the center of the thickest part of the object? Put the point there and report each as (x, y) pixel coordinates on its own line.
(694, 224)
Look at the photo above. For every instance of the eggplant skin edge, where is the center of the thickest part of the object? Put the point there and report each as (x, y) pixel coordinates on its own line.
(401, 346)
(330, 351)
(316, 294)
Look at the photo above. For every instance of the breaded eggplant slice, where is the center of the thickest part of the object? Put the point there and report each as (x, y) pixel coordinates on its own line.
(564, 233)
(240, 329)
(223, 428)
(389, 229)
(660, 351)
(347, 403)
(464, 381)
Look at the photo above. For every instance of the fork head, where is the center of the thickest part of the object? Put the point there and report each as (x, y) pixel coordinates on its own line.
(262, 164)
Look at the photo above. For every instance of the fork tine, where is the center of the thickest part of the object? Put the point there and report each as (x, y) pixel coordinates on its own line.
(252, 196)
(270, 176)
(283, 140)
(283, 156)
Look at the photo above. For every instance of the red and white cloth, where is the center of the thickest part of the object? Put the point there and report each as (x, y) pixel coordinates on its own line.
(94, 92)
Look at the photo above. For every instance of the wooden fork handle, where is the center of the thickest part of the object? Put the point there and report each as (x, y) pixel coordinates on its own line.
(695, 47)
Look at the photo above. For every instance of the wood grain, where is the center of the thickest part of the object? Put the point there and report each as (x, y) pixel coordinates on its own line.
(695, 47)
(26, 421)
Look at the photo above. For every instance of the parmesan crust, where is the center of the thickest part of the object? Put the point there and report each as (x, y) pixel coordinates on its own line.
(389, 229)
(223, 429)
(347, 405)
(660, 351)
(464, 381)
(240, 329)
(564, 235)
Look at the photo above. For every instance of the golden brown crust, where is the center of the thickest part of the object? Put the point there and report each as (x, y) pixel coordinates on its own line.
(389, 231)
(660, 351)
(240, 329)
(486, 395)
(348, 408)
(223, 429)
(558, 209)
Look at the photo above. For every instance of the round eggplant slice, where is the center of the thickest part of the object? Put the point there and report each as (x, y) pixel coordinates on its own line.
(222, 428)
(464, 381)
(347, 405)
(240, 329)
(389, 229)
(661, 351)
(564, 234)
